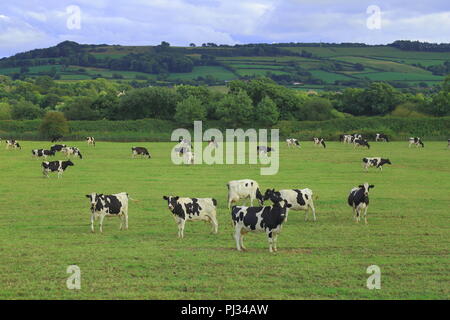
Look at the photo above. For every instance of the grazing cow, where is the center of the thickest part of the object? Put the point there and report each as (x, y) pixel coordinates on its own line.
(56, 138)
(53, 166)
(375, 162)
(381, 137)
(347, 138)
(267, 219)
(71, 151)
(359, 200)
(243, 189)
(300, 199)
(292, 142)
(264, 149)
(13, 144)
(42, 153)
(361, 143)
(319, 141)
(90, 141)
(416, 141)
(115, 205)
(135, 151)
(57, 147)
(192, 209)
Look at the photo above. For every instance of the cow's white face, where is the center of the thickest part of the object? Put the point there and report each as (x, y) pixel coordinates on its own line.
(171, 201)
(93, 197)
(366, 188)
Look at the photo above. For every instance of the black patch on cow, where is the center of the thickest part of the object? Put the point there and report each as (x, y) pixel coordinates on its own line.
(300, 199)
(214, 201)
(250, 219)
(113, 204)
(193, 208)
(356, 197)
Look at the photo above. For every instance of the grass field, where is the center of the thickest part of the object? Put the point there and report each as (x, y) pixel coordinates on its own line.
(44, 227)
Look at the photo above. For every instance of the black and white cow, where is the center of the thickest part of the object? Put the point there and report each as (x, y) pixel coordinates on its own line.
(185, 143)
(292, 142)
(300, 199)
(268, 219)
(243, 189)
(375, 162)
(212, 142)
(358, 199)
(192, 209)
(416, 141)
(264, 149)
(319, 141)
(188, 157)
(136, 151)
(347, 138)
(13, 144)
(71, 151)
(361, 143)
(90, 141)
(114, 205)
(55, 166)
(381, 137)
(57, 147)
(357, 136)
(56, 138)
(37, 153)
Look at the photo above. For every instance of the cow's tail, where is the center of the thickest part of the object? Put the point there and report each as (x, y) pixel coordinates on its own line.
(130, 198)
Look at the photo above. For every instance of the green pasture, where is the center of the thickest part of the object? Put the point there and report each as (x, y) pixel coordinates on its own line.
(44, 227)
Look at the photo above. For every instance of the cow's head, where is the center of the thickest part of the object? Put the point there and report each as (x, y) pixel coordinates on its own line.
(387, 161)
(171, 201)
(366, 188)
(272, 195)
(69, 163)
(94, 198)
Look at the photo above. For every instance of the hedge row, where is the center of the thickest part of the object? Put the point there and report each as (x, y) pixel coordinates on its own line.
(160, 130)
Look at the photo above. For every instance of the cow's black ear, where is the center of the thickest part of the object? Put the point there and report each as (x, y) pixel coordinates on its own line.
(165, 198)
(360, 186)
(176, 197)
(371, 186)
(88, 196)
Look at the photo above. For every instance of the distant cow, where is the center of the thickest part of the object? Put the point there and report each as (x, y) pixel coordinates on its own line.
(347, 138)
(90, 141)
(300, 199)
(267, 219)
(292, 142)
(13, 144)
(361, 143)
(57, 147)
(185, 143)
(381, 137)
(71, 151)
(264, 149)
(359, 200)
(416, 141)
(192, 209)
(55, 166)
(319, 141)
(115, 205)
(37, 153)
(243, 189)
(212, 142)
(375, 162)
(56, 138)
(136, 151)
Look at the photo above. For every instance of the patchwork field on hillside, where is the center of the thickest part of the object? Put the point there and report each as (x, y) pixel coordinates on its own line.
(44, 227)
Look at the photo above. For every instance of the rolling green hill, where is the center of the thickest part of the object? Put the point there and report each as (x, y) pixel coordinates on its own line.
(302, 66)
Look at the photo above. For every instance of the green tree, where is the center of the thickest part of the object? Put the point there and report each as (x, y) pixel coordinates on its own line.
(266, 112)
(25, 110)
(81, 109)
(189, 110)
(5, 111)
(235, 109)
(53, 125)
(317, 109)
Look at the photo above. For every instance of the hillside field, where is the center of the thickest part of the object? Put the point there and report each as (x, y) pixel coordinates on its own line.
(45, 227)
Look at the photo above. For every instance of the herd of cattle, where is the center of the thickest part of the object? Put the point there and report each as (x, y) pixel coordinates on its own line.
(260, 218)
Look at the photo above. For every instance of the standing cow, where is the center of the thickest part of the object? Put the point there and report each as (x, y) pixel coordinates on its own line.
(71, 151)
(299, 199)
(37, 153)
(361, 143)
(381, 137)
(375, 162)
(114, 205)
(192, 209)
(136, 151)
(292, 142)
(267, 219)
(358, 199)
(319, 141)
(57, 147)
(243, 189)
(90, 141)
(55, 166)
(13, 144)
(416, 141)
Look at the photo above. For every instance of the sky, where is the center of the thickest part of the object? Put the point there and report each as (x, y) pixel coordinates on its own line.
(30, 24)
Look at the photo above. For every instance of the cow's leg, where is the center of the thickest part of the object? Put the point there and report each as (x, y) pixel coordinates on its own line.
(270, 238)
(275, 239)
(306, 214)
(101, 222)
(354, 212)
(92, 222)
(365, 214)
(241, 242)
(125, 217)
(181, 228)
(237, 237)
(121, 221)
(214, 224)
(311, 205)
